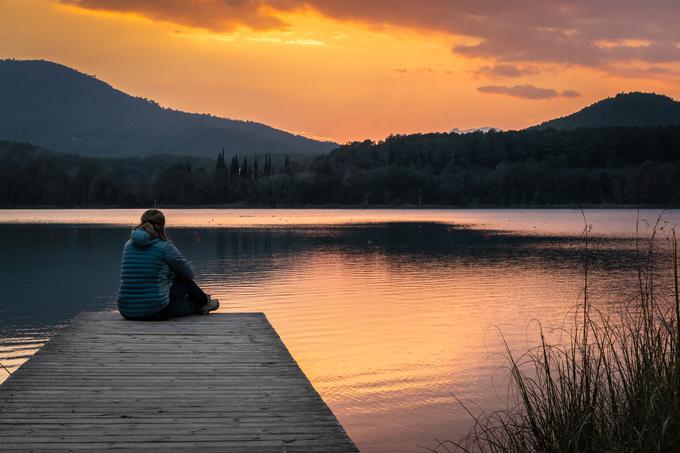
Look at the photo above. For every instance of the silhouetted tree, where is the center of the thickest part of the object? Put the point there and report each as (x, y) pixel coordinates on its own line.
(268, 165)
(220, 165)
(286, 165)
(234, 168)
(245, 170)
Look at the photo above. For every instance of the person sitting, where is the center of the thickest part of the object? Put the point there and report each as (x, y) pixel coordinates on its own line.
(156, 282)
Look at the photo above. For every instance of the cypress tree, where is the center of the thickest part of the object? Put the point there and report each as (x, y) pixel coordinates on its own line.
(286, 165)
(267, 165)
(220, 166)
(234, 169)
(245, 172)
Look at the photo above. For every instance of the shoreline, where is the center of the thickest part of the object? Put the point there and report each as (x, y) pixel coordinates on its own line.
(236, 206)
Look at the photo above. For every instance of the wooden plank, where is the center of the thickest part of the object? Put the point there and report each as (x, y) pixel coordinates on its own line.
(224, 382)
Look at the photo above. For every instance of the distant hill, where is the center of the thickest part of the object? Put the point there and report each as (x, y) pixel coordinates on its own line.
(484, 129)
(57, 107)
(625, 109)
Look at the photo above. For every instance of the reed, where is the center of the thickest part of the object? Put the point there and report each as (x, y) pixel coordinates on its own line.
(613, 386)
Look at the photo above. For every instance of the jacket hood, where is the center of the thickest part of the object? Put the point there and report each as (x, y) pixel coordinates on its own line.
(141, 239)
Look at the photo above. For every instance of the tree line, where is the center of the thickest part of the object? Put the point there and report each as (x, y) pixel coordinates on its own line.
(614, 166)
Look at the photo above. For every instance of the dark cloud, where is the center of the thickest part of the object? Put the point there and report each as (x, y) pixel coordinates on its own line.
(214, 15)
(560, 31)
(527, 92)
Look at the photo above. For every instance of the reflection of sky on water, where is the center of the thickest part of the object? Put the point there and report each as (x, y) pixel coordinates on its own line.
(608, 222)
(385, 319)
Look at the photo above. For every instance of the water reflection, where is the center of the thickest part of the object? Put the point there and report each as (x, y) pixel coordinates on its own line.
(385, 319)
(609, 222)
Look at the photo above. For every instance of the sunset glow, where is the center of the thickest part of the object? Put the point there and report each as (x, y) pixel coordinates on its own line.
(352, 70)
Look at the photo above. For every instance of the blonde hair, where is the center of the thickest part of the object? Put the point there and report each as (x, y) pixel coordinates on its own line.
(153, 222)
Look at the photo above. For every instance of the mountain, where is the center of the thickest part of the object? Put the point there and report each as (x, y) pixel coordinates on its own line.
(625, 109)
(484, 130)
(57, 107)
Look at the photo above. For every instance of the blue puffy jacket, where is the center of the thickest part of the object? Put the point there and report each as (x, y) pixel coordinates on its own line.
(147, 270)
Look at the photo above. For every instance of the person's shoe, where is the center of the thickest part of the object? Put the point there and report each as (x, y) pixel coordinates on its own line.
(213, 304)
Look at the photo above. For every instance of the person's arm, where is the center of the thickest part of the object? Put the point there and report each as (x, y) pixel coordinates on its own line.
(177, 263)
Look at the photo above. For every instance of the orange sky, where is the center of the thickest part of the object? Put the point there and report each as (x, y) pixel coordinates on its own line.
(352, 70)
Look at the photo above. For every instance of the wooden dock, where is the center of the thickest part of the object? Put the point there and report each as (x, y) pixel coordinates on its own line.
(222, 383)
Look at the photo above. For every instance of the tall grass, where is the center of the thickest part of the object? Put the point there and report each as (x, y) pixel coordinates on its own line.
(614, 386)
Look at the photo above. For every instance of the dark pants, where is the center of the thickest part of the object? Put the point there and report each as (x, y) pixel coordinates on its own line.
(186, 298)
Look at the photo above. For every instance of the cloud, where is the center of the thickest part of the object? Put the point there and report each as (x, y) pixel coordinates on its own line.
(506, 70)
(213, 15)
(527, 92)
(570, 94)
(559, 31)
(560, 47)
(422, 70)
(569, 32)
(652, 71)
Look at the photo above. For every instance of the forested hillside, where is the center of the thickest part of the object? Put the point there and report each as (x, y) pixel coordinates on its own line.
(59, 108)
(625, 109)
(531, 167)
(607, 166)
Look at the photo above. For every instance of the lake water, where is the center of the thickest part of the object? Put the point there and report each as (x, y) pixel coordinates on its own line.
(388, 312)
